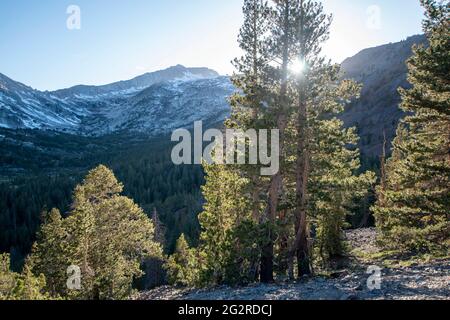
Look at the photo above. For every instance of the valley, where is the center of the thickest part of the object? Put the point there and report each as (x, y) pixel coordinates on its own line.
(49, 140)
(237, 159)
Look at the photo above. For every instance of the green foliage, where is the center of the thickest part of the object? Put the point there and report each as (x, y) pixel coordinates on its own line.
(318, 186)
(105, 234)
(227, 241)
(50, 253)
(250, 226)
(335, 188)
(183, 265)
(413, 205)
(20, 286)
(145, 168)
(243, 247)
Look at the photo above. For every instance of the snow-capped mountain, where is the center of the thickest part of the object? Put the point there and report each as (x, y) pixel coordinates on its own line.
(153, 103)
(23, 107)
(161, 108)
(139, 83)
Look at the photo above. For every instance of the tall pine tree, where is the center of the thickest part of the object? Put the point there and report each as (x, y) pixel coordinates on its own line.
(413, 208)
(318, 180)
(230, 255)
(235, 194)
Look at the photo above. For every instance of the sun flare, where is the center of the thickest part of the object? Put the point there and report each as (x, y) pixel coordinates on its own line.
(297, 66)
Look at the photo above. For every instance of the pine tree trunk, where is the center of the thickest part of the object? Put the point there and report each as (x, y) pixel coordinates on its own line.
(277, 180)
(284, 246)
(267, 250)
(266, 272)
(301, 241)
(301, 245)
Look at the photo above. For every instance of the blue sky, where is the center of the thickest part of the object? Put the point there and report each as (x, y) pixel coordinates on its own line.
(122, 39)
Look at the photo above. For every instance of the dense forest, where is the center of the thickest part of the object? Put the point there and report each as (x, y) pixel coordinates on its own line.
(138, 216)
(145, 168)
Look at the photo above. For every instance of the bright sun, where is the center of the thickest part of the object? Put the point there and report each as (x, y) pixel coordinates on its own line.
(297, 66)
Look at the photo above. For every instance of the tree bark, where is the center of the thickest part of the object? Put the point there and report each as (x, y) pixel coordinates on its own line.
(266, 271)
(277, 180)
(301, 245)
(302, 176)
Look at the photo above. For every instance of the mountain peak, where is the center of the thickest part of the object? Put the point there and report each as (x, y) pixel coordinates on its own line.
(178, 72)
(178, 66)
(153, 102)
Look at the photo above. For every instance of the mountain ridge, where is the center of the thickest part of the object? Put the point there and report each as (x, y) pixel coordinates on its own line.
(86, 110)
(381, 70)
(141, 81)
(156, 103)
(202, 72)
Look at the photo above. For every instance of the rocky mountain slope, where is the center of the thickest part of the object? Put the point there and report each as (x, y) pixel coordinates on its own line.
(139, 83)
(153, 103)
(160, 108)
(24, 107)
(412, 281)
(382, 70)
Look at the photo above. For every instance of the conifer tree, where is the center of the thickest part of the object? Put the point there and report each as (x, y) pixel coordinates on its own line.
(251, 67)
(153, 267)
(312, 30)
(6, 277)
(318, 180)
(106, 235)
(228, 208)
(23, 286)
(334, 185)
(282, 49)
(234, 194)
(315, 144)
(248, 105)
(49, 253)
(412, 212)
(182, 267)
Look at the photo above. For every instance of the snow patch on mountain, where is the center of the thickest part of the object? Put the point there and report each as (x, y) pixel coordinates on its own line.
(154, 103)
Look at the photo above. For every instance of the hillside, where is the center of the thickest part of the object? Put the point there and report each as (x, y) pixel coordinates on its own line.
(411, 281)
(127, 125)
(153, 104)
(381, 70)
